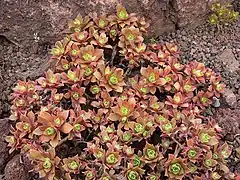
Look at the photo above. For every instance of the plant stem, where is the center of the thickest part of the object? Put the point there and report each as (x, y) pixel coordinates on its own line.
(178, 143)
(127, 71)
(114, 52)
(63, 140)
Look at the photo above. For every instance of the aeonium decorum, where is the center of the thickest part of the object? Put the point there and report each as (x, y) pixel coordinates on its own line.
(89, 54)
(209, 162)
(168, 126)
(26, 125)
(207, 136)
(76, 95)
(175, 168)
(101, 40)
(23, 87)
(80, 120)
(130, 36)
(51, 126)
(133, 173)
(59, 49)
(151, 154)
(46, 162)
(152, 76)
(72, 165)
(116, 107)
(122, 17)
(203, 99)
(81, 37)
(110, 78)
(123, 110)
(178, 100)
(52, 80)
(101, 21)
(192, 151)
(196, 70)
(79, 23)
(112, 159)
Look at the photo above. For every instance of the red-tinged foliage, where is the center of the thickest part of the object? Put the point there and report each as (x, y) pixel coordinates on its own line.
(24, 88)
(14, 141)
(51, 81)
(80, 121)
(51, 126)
(46, 162)
(114, 106)
(89, 55)
(76, 95)
(152, 78)
(73, 76)
(72, 165)
(178, 100)
(176, 168)
(151, 154)
(110, 78)
(192, 151)
(196, 71)
(26, 125)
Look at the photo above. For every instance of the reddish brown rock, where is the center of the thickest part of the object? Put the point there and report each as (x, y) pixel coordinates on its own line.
(16, 170)
(229, 121)
(4, 130)
(229, 61)
(191, 13)
(27, 23)
(230, 98)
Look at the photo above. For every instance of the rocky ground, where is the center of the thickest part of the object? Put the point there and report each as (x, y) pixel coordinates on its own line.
(218, 50)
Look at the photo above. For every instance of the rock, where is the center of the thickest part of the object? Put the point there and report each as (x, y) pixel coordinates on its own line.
(216, 102)
(45, 21)
(193, 51)
(208, 55)
(4, 130)
(190, 13)
(35, 72)
(228, 59)
(15, 170)
(228, 120)
(230, 98)
(214, 50)
(42, 22)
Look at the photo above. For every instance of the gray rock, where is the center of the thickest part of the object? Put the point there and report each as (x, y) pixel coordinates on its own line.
(192, 52)
(207, 50)
(208, 55)
(216, 102)
(214, 50)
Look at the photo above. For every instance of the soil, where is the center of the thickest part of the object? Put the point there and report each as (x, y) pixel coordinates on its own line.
(219, 50)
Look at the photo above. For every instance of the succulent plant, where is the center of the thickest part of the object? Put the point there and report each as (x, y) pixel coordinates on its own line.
(46, 162)
(116, 107)
(222, 13)
(175, 167)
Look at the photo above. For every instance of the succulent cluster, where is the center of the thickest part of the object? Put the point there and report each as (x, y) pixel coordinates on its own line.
(120, 108)
(222, 13)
